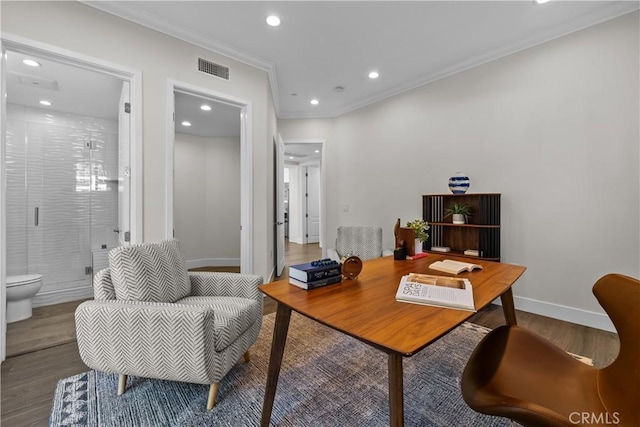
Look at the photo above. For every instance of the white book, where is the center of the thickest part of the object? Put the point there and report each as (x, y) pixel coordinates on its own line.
(438, 291)
(454, 267)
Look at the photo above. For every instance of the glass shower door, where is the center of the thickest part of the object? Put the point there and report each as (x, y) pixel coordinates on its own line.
(58, 188)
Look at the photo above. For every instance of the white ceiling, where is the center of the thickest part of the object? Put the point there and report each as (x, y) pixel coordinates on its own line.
(324, 44)
(70, 89)
(296, 153)
(83, 92)
(320, 45)
(221, 120)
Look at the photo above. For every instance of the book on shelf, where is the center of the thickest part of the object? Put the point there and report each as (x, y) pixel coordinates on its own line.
(316, 283)
(417, 256)
(440, 248)
(438, 291)
(315, 270)
(454, 267)
(472, 252)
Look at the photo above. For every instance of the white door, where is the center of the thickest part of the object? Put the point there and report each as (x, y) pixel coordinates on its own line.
(312, 215)
(279, 206)
(124, 166)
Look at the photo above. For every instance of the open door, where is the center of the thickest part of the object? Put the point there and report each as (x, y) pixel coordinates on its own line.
(124, 166)
(279, 206)
(312, 214)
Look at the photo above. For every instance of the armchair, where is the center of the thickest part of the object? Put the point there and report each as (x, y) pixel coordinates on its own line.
(152, 318)
(363, 242)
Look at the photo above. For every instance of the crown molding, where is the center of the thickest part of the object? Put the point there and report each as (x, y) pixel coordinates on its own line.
(607, 12)
(125, 11)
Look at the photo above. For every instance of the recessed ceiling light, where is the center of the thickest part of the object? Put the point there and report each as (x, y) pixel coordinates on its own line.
(374, 75)
(540, 1)
(205, 107)
(45, 102)
(290, 157)
(31, 63)
(317, 151)
(273, 20)
(186, 123)
(315, 102)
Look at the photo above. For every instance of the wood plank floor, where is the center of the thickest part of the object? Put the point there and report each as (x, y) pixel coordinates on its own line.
(29, 378)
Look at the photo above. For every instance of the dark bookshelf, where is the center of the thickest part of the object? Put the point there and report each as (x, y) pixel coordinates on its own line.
(481, 232)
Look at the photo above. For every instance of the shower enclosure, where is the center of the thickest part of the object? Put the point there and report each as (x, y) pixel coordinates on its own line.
(61, 199)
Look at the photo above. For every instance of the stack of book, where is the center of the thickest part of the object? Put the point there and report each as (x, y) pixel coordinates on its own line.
(315, 274)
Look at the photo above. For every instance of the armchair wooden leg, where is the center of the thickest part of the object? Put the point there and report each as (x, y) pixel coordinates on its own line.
(213, 392)
(122, 384)
(247, 357)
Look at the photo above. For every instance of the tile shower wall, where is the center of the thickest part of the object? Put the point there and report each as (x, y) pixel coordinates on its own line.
(62, 197)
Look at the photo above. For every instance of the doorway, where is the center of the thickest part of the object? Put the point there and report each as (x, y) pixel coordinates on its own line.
(65, 176)
(305, 189)
(219, 231)
(207, 182)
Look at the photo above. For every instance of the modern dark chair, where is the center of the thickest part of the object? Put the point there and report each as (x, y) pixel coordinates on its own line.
(516, 374)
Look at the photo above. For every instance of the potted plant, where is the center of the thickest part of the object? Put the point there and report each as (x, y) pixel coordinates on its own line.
(460, 212)
(421, 228)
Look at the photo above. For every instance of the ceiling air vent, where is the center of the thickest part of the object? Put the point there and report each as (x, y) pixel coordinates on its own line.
(213, 68)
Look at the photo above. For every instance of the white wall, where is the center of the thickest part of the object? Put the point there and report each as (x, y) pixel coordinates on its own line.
(223, 197)
(159, 57)
(207, 199)
(554, 128)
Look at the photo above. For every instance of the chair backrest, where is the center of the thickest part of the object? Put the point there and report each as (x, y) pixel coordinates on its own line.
(618, 383)
(153, 272)
(363, 242)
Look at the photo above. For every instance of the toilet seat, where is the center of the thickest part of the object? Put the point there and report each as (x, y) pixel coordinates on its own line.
(24, 279)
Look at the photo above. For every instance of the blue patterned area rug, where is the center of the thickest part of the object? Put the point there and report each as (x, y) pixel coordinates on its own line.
(327, 379)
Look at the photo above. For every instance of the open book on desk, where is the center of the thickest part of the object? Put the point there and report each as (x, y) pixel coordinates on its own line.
(439, 291)
(454, 267)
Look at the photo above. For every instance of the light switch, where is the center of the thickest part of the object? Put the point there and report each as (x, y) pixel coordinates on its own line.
(345, 208)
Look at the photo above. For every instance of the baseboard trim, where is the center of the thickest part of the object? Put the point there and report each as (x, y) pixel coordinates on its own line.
(563, 312)
(213, 262)
(62, 295)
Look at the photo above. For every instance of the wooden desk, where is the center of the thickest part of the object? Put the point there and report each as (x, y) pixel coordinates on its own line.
(366, 309)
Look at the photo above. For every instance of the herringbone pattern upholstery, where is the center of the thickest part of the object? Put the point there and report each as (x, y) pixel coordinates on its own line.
(232, 316)
(197, 338)
(149, 272)
(363, 242)
(103, 286)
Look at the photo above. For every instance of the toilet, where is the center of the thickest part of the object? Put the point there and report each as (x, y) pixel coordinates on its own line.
(20, 291)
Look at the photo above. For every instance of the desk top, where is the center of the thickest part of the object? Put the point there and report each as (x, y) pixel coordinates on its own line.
(366, 308)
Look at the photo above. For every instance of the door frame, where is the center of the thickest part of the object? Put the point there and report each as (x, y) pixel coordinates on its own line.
(323, 185)
(279, 234)
(246, 163)
(304, 175)
(133, 76)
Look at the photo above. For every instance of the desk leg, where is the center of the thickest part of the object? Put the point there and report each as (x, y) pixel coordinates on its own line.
(508, 307)
(283, 315)
(396, 389)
